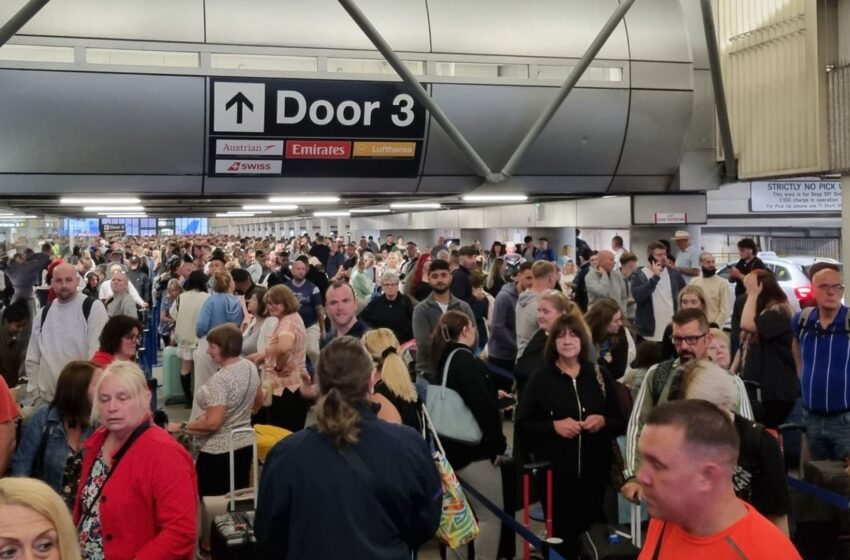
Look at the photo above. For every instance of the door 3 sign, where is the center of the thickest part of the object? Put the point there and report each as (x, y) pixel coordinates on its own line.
(358, 129)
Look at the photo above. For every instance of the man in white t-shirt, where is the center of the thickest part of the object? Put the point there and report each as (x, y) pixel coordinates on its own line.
(68, 329)
(687, 260)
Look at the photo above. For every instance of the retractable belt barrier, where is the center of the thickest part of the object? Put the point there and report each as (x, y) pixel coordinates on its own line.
(517, 528)
(822, 494)
(501, 371)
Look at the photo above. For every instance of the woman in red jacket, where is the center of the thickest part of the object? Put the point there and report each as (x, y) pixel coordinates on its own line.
(138, 493)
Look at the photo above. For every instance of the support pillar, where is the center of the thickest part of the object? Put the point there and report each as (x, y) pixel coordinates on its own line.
(845, 226)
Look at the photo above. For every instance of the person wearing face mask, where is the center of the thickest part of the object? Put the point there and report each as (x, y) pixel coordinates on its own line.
(716, 291)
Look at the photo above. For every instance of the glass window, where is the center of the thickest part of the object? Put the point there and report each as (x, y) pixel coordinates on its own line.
(371, 66)
(593, 74)
(190, 226)
(128, 57)
(782, 274)
(36, 53)
(481, 70)
(264, 62)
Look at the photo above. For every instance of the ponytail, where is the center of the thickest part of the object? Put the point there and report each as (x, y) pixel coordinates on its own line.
(337, 419)
(383, 346)
(344, 372)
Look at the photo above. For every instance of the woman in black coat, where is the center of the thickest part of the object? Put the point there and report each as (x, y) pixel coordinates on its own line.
(478, 464)
(569, 416)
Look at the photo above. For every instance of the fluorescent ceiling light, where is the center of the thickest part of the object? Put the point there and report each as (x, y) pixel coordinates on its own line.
(16, 216)
(270, 207)
(238, 212)
(126, 215)
(339, 214)
(371, 211)
(495, 198)
(124, 209)
(113, 200)
(415, 205)
(235, 215)
(304, 199)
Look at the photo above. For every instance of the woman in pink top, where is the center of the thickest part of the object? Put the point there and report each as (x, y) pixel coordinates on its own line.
(288, 392)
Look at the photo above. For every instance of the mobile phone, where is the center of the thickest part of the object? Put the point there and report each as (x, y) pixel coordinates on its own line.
(652, 259)
(507, 402)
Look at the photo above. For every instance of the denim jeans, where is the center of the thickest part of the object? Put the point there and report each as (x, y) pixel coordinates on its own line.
(828, 435)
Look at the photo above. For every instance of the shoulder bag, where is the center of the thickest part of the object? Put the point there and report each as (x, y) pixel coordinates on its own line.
(451, 418)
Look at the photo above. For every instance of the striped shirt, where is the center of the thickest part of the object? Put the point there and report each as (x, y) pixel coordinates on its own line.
(825, 354)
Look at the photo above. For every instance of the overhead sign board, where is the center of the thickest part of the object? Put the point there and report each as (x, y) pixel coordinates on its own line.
(671, 218)
(113, 230)
(314, 128)
(795, 196)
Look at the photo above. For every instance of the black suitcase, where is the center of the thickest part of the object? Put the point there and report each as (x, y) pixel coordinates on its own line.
(232, 533)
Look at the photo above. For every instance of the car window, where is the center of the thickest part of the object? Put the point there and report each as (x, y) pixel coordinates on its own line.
(782, 274)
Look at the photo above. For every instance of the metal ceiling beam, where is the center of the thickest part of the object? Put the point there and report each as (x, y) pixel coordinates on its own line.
(20, 19)
(724, 126)
(570, 84)
(419, 91)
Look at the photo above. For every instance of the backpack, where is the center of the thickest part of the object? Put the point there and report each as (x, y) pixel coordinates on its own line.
(87, 304)
(659, 379)
(807, 312)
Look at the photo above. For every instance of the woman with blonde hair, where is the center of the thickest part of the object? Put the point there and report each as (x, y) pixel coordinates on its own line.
(34, 522)
(690, 297)
(148, 478)
(393, 388)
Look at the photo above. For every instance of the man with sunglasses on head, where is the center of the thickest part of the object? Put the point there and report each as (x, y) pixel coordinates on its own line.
(821, 348)
(663, 383)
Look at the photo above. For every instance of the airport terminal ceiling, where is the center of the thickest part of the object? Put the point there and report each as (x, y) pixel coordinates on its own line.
(184, 102)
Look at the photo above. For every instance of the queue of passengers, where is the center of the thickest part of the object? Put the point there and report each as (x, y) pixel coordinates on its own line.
(272, 332)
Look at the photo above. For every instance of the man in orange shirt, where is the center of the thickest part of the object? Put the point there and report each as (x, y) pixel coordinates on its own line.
(690, 449)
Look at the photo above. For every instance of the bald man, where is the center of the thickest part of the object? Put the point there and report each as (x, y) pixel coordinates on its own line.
(606, 281)
(67, 329)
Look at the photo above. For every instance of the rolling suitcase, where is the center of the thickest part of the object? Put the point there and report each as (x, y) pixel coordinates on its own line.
(232, 533)
(172, 390)
(604, 542)
(528, 471)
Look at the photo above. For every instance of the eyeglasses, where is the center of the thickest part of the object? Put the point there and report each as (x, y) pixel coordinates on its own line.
(388, 284)
(132, 337)
(831, 288)
(689, 340)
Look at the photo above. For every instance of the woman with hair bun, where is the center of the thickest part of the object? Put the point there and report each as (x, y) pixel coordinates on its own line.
(319, 473)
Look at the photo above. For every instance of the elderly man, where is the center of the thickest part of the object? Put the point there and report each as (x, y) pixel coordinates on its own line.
(691, 450)
(606, 281)
(391, 309)
(821, 346)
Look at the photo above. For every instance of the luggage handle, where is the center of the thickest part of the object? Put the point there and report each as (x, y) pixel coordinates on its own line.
(231, 453)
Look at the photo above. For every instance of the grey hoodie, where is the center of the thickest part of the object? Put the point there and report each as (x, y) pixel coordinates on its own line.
(502, 343)
(526, 319)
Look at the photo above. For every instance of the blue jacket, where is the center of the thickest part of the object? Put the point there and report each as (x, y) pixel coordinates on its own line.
(642, 288)
(46, 421)
(547, 254)
(313, 506)
(217, 310)
(502, 344)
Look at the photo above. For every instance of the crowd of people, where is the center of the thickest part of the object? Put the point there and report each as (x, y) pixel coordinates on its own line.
(584, 347)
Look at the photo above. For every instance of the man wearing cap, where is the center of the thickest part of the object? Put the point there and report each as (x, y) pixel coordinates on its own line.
(461, 286)
(687, 261)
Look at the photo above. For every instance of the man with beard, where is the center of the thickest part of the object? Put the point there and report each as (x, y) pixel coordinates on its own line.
(716, 291)
(663, 383)
(283, 273)
(427, 314)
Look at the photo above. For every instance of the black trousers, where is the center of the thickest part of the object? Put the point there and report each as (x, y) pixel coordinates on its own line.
(214, 471)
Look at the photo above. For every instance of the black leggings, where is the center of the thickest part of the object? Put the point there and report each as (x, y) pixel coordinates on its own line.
(214, 471)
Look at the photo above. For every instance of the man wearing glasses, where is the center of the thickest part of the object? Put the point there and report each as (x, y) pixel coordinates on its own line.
(663, 383)
(821, 350)
(392, 309)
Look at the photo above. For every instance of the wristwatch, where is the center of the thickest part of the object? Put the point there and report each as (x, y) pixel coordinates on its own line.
(183, 426)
